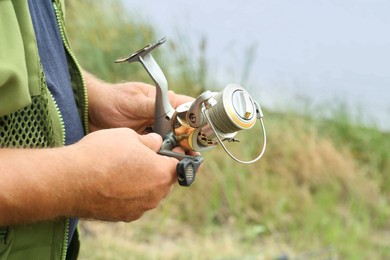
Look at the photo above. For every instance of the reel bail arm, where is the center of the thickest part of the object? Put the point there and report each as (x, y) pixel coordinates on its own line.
(163, 110)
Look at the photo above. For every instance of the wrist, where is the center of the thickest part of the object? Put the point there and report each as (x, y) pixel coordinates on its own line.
(78, 179)
(49, 177)
(92, 168)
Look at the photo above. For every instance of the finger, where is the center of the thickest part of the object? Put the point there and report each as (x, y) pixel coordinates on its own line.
(176, 99)
(152, 141)
(149, 104)
(165, 168)
(193, 153)
(178, 149)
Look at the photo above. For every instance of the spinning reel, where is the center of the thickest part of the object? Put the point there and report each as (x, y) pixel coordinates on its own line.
(214, 117)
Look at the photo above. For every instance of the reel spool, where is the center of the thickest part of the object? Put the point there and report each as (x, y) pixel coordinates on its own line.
(215, 117)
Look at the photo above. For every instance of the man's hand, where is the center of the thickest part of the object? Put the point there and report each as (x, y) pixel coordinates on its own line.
(128, 178)
(129, 104)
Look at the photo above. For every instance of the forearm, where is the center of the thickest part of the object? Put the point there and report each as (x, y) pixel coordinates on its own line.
(38, 184)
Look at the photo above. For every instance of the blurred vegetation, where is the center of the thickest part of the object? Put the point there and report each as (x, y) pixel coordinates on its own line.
(321, 191)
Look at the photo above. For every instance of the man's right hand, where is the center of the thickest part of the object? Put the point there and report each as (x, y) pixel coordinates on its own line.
(127, 177)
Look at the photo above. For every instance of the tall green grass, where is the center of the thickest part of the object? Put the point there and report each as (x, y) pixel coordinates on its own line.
(321, 190)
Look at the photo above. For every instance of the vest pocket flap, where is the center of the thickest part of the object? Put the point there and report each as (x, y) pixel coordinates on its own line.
(19, 62)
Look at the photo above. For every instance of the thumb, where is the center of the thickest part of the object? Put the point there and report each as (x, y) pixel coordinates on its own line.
(152, 141)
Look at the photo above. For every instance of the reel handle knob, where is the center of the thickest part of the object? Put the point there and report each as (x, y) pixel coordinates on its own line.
(186, 170)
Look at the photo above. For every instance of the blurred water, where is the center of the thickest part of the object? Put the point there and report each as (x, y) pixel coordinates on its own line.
(324, 51)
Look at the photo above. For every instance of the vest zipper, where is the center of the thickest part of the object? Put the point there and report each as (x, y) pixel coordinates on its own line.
(78, 67)
(85, 112)
(61, 120)
(66, 240)
(59, 115)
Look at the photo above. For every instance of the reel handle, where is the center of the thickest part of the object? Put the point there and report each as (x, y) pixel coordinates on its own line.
(187, 165)
(186, 170)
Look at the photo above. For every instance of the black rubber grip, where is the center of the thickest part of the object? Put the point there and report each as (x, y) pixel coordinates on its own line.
(186, 170)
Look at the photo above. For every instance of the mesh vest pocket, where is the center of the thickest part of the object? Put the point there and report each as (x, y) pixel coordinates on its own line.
(30, 127)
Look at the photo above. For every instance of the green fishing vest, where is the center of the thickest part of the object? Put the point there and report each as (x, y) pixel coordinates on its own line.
(30, 118)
